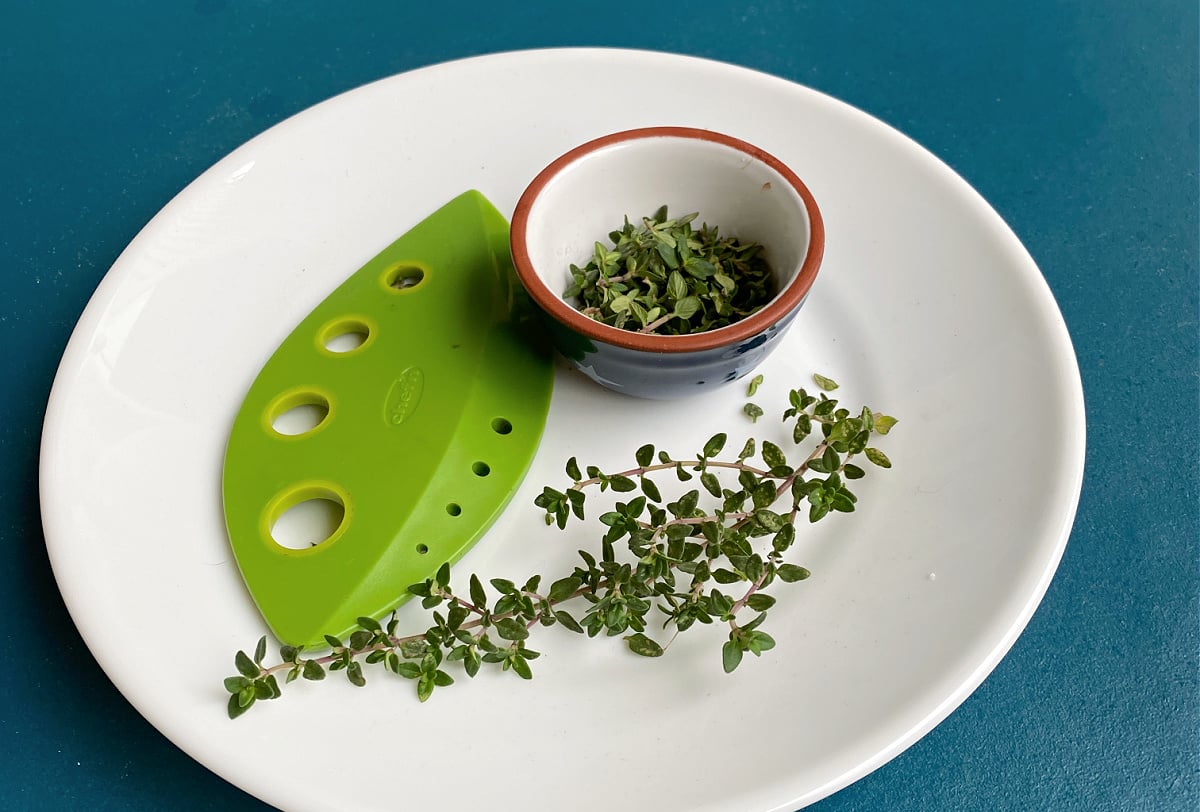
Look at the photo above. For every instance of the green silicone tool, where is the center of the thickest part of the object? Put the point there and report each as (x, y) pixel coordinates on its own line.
(403, 411)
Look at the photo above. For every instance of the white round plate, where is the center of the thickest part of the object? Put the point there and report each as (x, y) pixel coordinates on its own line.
(927, 308)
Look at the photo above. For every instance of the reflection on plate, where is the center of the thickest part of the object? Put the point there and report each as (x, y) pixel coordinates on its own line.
(927, 308)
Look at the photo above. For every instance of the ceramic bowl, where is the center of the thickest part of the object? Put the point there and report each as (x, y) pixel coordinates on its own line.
(586, 193)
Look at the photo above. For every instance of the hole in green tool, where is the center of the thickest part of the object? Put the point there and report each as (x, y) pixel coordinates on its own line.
(311, 521)
(481, 468)
(405, 277)
(345, 336)
(298, 413)
(501, 426)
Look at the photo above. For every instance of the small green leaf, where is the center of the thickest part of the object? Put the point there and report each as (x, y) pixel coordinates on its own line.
(790, 573)
(755, 382)
(754, 568)
(573, 470)
(724, 576)
(884, 423)
(478, 594)
(852, 471)
(408, 670)
(764, 493)
(878, 457)
(520, 666)
(650, 489)
(457, 615)
(760, 642)
(235, 708)
(504, 586)
(643, 645)
(769, 520)
(568, 622)
(760, 602)
(563, 588)
(687, 307)
(784, 538)
(313, 671)
(714, 445)
(824, 383)
(731, 656)
(260, 651)
(645, 455)
(511, 629)
(711, 483)
(355, 675)
(773, 455)
(753, 411)
(235, 684)
(747, 450)
(622, 484)
(245, 666)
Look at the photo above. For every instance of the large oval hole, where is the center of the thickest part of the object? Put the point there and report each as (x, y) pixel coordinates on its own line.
(308, 523)
(298, 413)
(346, 335)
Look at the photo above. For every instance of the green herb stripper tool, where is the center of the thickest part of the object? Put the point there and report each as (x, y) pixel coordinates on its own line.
(407, 407)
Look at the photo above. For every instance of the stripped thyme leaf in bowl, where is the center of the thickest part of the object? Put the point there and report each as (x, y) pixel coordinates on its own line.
(711, 556)
(663, 277)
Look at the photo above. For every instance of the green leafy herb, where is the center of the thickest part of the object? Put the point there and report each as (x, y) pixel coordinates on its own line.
(753, 411)
(708, 556)
(663, 277)
(826, 384)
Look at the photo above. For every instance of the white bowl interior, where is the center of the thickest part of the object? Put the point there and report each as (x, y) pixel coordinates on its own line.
(742, 195)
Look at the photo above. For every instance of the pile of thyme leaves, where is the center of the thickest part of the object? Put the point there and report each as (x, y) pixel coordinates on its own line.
(708, 557)
(663, 277)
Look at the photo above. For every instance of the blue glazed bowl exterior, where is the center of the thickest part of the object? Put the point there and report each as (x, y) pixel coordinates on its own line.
(665, 375)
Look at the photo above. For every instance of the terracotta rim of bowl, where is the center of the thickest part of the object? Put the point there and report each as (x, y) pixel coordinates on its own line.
(553, 303)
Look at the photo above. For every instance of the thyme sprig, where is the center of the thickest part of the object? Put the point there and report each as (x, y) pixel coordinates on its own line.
(676, 560)
(661, 276)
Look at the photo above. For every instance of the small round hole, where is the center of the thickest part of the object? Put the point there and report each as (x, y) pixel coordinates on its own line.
(481, 468)
(501, 426)
(405, 277)
(422, 548)
(454, 509)
(308, 523)
(298, 413)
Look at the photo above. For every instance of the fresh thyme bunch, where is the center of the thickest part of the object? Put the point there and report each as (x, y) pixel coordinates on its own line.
(663, 277)
(708, 557)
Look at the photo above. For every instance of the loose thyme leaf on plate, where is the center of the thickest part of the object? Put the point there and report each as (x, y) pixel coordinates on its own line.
(664, 277)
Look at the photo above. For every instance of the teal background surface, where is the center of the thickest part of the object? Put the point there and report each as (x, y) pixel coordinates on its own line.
(1077, 121)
